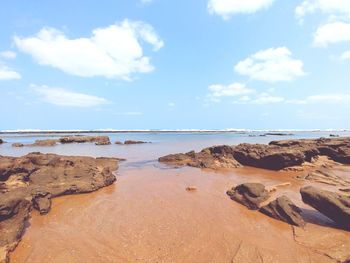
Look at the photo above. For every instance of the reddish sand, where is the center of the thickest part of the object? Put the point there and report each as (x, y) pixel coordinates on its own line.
(148, 216)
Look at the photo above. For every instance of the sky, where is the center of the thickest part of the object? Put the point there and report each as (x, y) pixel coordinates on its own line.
(162, 64)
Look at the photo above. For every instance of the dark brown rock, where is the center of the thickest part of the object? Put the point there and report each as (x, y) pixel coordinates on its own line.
(133, 142)
(333, 205)
(268, 157)
(118, 142)
(32, 180)
(285, 210)
(42, 202)
(98, 140)
(249, 194)
(1, 141)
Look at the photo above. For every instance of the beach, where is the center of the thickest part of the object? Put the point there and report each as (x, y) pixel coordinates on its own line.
(147, 215)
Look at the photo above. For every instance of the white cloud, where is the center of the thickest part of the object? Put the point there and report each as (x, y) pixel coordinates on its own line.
(332, 33)
(334, 98)
(263, 98)
(332, 7)
(8, 74)
(146, 1)
(345, 55)
(226, 8)
(129, 113)
(63, 97)
(171, 104)
(8, 54)
(235, 89)
(115, 51)
(271, 65)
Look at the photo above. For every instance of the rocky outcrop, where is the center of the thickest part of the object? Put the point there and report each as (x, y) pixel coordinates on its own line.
(276, 155)
(250, 195)
(118, 142)
(333, 205)
(1, 141)
(98, 140)
(213, 157)
(285, 210)
(32, 180)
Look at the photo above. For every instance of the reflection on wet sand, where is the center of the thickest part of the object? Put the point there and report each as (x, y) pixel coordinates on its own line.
(148, 216)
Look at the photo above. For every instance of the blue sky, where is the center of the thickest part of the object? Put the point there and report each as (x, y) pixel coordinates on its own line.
(161, 64)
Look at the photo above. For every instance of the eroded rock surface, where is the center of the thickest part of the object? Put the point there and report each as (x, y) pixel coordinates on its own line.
(285, 210)
(32, 180)
(250, 195)
(275, 156)
(333, 205)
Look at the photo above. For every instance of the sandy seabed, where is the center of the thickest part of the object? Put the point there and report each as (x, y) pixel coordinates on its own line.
(148, 216)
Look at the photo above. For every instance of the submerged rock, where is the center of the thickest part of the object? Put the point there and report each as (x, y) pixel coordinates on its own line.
(17, 144)
(285, 210)
(333, 205)
(49, 142)
(133, 142)
(250, 195)
(38, 178)
(98, 140)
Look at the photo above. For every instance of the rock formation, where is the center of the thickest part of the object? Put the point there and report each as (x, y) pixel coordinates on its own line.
(98, 140)
(249, 194)
(276, 155)
(333, 205)
(285, 210)
(32, 180)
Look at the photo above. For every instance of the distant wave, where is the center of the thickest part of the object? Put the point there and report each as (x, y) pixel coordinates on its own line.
(169, 130)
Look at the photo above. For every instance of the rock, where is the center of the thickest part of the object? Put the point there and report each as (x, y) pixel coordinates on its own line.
(118, 142)
(333, 135)
(191, 188)
(327, 177)
(278, 134)
(17, 144)
(333, 205)
(215, 157)
(268, 157)
(40, 177)
(98, 140)
(285, 210)
(133, 142)
(277, 155)
(1, 141)
(44, 143)
(42, 202)
(249, 194)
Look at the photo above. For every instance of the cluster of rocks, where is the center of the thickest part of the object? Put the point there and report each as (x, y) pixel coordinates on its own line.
(333, 205)
(276, 155)
(98, 140)
(29, 182)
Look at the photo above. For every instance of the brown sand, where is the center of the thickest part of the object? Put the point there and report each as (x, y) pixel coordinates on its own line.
(148, 216)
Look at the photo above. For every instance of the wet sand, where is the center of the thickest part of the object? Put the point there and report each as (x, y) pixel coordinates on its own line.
(148, 216)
